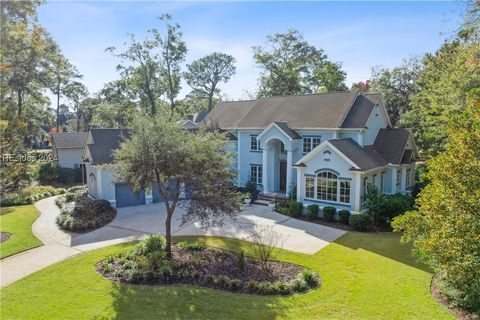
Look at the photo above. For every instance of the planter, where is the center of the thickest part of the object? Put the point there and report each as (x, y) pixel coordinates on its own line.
(247, 201)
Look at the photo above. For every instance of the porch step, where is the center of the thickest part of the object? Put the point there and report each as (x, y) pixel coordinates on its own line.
(261, 202)
(271, 196)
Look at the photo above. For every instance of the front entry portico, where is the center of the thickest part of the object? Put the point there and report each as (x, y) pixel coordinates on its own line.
(277, 161)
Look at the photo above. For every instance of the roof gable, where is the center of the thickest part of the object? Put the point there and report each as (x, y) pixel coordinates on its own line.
(391, 143)
(105, 141)
(360, 111)
(70, 140)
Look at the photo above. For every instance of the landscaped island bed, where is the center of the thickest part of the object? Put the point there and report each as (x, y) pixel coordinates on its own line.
(194, 263)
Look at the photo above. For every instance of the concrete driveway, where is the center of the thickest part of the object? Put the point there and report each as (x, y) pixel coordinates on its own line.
(135, 223)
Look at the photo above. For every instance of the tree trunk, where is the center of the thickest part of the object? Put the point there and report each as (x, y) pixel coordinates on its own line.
(19, 102)
(210, 102)
(78, 120)
(58, 103)
(168, 234)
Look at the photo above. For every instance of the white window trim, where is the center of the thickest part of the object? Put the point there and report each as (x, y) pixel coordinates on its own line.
(315, 183)
(310, 138)
(255, 179)
(257, 143)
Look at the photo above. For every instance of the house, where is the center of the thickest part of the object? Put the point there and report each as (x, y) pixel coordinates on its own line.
(325, 148)
(67, 148)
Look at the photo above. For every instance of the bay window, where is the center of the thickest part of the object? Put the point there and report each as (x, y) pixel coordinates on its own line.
(326, 186)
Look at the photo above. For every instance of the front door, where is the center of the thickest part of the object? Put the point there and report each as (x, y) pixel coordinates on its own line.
(283, 176)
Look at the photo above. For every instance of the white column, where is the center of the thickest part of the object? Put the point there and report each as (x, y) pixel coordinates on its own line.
(360, 138)
(403, 179)
(357, 189)
(266, 187)
(394, 181)
(300, 185)
(289, 170)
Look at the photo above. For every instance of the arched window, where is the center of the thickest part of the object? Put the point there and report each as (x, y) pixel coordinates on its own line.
(327, 186)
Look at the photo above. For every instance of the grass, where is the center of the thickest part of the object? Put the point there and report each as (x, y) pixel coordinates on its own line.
(18, 222)
(365, 276)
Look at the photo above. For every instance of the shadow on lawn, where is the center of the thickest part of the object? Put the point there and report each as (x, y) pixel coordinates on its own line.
(386, 244)
(187, 302)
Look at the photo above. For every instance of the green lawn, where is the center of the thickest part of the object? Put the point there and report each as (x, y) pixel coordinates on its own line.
(365, 276)
(18, 221)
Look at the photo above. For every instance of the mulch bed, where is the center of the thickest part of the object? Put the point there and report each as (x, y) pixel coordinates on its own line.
(212, 262)
(4, 236)
(443, 300)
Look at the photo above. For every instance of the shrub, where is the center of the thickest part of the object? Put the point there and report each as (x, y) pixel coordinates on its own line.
(310, 277)
(165, 271)
(283, 210)
(296, 208)
(251, 187)
(395, 205)
(48, 172)
(344, 216)
(282, 288)
(235, 284)
(299, 285)
(266, 287)
(252, 285)
(360, 222)
(154, 243)
(223, 281)
(263, 244)
(329, 213)
(241, 260)
(191, 246)
(312, 211)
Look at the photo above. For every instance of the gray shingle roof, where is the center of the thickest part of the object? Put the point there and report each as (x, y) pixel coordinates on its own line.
(362, 107)
(391, 143)
(291, 133)
(71, 140)
(365, 158)
(304, 111)
(226, 115)
(105, 141)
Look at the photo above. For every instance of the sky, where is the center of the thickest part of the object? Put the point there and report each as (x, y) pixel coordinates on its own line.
(360, 35)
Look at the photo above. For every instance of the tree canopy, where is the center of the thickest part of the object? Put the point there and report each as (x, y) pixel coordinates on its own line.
(205, 74)
(161, 154)
(290, 65)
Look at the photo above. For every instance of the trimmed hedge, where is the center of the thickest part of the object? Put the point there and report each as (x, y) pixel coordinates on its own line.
(29, 196)
(329, 213)
(344, 216)
(360, 222)
(312, 211)
(49, 172)
(296, 208)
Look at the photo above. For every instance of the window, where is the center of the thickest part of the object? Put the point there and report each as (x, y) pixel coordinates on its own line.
(310, 142)
(364, 187)
(374, 180)
(382, 177)
(310, 187)
(328, 187)
(254, 144)
(399, 176)
(256, 173)
(345, 191)
(409, 177)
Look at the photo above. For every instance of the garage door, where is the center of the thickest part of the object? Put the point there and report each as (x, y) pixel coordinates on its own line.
(125, 196)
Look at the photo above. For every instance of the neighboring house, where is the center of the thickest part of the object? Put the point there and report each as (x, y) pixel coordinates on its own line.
(67, 148)
(325, 147)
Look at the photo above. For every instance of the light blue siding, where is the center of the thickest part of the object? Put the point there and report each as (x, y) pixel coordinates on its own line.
(245, 156)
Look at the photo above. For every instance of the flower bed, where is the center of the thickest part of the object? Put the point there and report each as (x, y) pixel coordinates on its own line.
(193, 263)
(80, 213)
(29, 195)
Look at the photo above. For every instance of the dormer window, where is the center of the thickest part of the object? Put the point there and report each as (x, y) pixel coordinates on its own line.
(310, 142)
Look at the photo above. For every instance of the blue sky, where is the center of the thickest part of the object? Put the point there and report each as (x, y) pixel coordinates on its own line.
(358, 34)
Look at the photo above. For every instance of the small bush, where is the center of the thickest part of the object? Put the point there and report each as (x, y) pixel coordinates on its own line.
(282, 288)
(360, 222)
(344, 216)
(296, 208)
(154, 243)
(235, 284)
(48, 172)
(329, 213)
(266, 287)
(251, 188)
(283, 210)
(241, 260)
(395, 205)
(191, 246)
(299, 285)
(223, 281)
(165, 271)
(252, 285)
(310, 277)
(312, 211)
